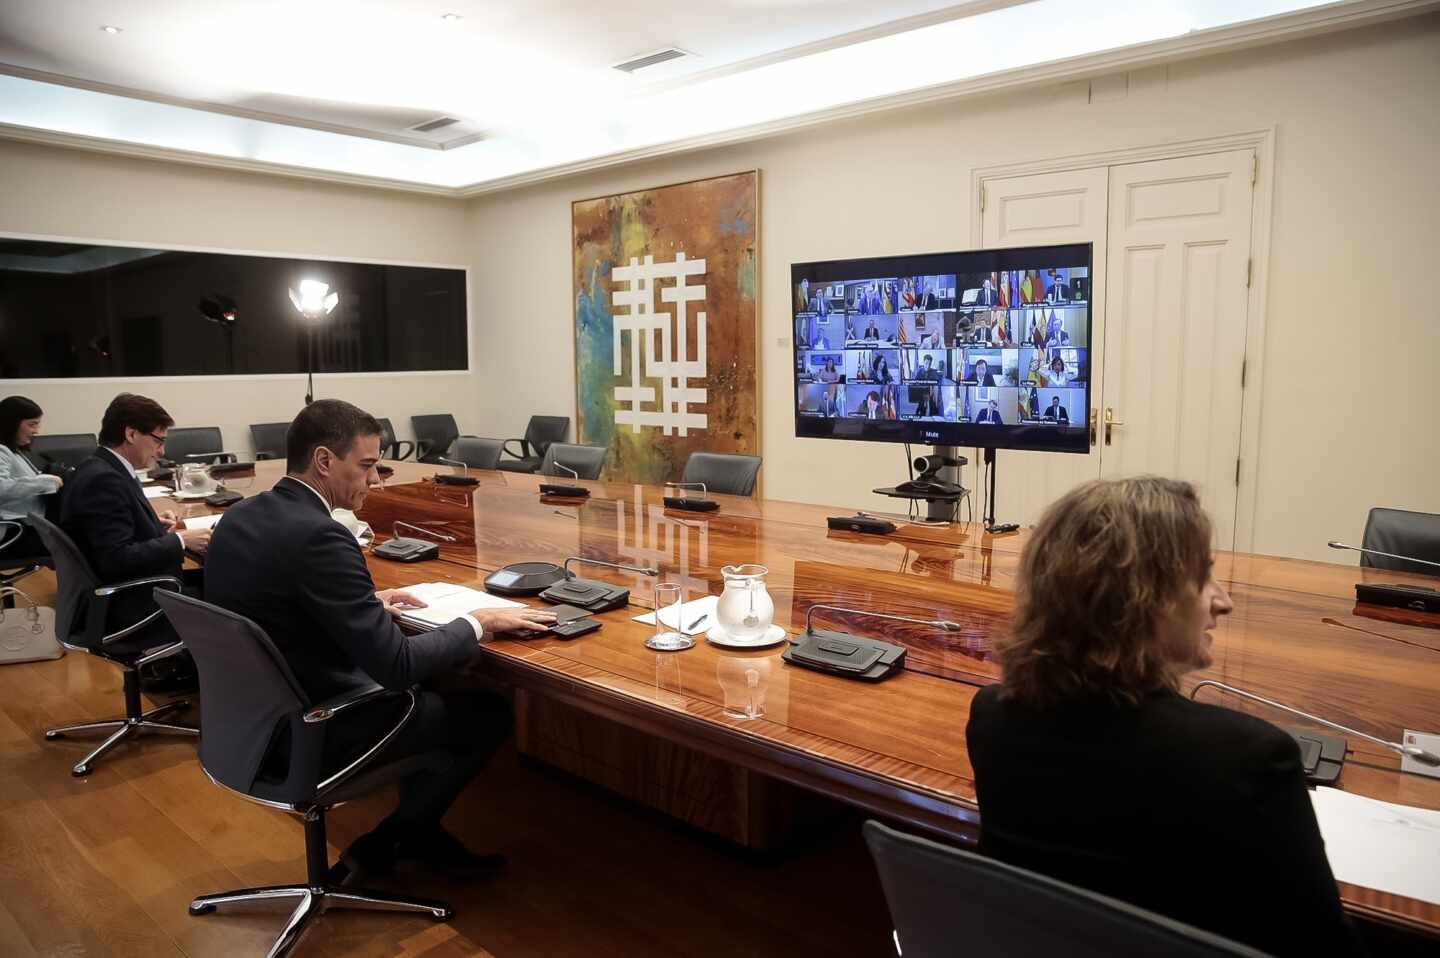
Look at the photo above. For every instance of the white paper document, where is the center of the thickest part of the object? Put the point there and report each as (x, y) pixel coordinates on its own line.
(158, 492)
(696, 616)
(445, 601)
(203, 522)
(1393, 848)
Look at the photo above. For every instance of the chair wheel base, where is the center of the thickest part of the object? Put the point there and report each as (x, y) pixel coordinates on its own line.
(80, 771)
(198, 910)
(442, 914)
(52, 735)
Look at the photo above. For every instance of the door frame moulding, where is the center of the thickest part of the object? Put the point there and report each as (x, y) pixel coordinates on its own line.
(1263, 142)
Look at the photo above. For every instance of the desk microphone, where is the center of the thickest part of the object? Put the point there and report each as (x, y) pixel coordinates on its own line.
(703, 504)
(1334, 544)
(465, 479)
(1418, 754)
(853, 656)
(569, 492)
(402, 549)
(590, 595)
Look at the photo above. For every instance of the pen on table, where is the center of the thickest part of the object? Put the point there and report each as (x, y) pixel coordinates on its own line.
(697, 622)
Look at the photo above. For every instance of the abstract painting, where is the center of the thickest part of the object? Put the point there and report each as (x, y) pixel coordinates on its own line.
(666, 324)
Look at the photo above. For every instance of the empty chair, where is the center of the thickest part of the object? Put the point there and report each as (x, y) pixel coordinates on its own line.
(390, 447)
(433, 434)
(539, 434)
(586, 461)
(1403, 533)
(196, 444)
(80, 607)
(944, 901)
(67, 449)
(268, 438)
(475, 452)
(723, 472)
(249, 699)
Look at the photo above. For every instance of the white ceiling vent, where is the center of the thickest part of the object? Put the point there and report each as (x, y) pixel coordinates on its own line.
(651, 59)
(430, 126)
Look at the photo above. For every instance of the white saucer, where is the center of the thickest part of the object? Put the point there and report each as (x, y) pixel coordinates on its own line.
(719, 636)
(188, 496)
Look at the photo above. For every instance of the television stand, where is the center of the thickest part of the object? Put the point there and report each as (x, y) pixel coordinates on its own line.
(991, 526)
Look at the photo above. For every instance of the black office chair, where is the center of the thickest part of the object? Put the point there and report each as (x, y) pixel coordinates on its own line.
(68, 449)
(268, 438)
(475, 452)
(196, 444)
(539, 434)
(586, 461)
(390, 447)
(249, 699)
(1398, 531)
(434, 434)
(80, 611)
(16, 566)
(942, 897)
(723, 472)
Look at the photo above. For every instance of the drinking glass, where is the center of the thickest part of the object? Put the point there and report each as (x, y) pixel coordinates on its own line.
(669, 636)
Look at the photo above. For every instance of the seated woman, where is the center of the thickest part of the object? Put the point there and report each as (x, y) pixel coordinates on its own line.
(1090, 767)
(23, 488)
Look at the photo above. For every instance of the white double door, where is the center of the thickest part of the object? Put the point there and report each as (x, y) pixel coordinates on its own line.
(1169, 297)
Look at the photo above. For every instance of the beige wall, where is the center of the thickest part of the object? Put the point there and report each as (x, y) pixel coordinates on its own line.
(1354, 231)
(72, 193)
(1357, 118)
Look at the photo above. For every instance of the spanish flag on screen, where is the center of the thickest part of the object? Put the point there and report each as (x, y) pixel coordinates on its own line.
(1027, 293)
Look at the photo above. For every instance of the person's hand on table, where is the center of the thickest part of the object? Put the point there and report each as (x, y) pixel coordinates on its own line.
(397, 601)
(170, 521)
(514, 620)
(194, 540)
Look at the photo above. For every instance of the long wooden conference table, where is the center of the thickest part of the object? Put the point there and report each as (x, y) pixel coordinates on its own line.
(675, 730)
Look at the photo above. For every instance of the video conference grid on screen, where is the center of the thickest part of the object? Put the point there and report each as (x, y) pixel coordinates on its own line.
(1005, 347)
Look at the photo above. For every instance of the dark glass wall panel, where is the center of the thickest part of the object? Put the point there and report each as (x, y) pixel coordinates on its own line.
(69, 310)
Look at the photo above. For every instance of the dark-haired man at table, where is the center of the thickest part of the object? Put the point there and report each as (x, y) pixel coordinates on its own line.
(279, 559)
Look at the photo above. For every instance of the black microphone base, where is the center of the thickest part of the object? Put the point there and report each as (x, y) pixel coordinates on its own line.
(444, 479)
(693, 505)
(1414, 597)
(565, 492)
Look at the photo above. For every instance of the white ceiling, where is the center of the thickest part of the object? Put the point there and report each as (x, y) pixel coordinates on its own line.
(332, 86)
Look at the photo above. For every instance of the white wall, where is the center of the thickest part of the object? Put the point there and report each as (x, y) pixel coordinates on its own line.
(92, 196)
(1356, 228)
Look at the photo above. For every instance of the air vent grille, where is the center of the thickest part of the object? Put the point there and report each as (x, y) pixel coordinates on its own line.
(651, 59)
(439, 123)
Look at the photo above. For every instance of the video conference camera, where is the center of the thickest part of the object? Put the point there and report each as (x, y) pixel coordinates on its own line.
(929, 466)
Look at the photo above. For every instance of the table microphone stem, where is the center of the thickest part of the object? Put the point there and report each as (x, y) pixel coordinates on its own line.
(1419, 754)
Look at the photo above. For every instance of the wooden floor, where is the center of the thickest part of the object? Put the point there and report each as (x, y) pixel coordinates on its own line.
(106, 865)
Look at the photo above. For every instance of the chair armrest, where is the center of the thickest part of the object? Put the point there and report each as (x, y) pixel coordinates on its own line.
(340, 776)
(263, 456)
(402, 449)
(105, 591)
(9, 532)
(100, 601)
(331, 707)
(505, 447)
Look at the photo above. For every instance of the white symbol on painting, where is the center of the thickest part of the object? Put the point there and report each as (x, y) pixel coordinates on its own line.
(659, 347)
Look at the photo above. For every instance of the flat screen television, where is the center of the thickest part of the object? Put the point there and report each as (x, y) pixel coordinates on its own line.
(984, 348)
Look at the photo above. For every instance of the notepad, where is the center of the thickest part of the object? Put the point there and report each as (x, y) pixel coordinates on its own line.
(158, 492)
(446, 601)
(1374, 844)
(689, 613)
(203, 522)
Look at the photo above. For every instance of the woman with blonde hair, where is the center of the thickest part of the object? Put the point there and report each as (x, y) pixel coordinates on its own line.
(1090, 767)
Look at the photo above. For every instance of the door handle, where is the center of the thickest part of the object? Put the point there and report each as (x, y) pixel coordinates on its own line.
(1111, 421)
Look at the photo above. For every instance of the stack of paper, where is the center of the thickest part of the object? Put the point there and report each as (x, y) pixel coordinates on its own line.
(445, 601)
(1393, 848)
(203, 522)
(158, 492)
(696, 616)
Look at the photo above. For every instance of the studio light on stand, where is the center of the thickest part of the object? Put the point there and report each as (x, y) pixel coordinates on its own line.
(314, 300)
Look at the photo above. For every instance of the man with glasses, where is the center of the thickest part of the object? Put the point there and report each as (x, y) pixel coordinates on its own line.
(104, 510)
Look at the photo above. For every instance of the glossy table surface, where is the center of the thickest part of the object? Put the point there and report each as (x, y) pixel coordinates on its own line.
(896, 747)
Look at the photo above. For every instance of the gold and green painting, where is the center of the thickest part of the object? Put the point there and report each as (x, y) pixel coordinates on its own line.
(666, 324)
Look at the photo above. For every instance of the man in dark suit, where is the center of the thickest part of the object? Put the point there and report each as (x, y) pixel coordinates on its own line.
(981, 374)
(1057, 412)
(991, 414)
(280, 559)
(104, 510)
(987, 295)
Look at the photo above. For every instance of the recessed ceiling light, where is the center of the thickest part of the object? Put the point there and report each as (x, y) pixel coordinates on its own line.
(109, 29)
(451, 17)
